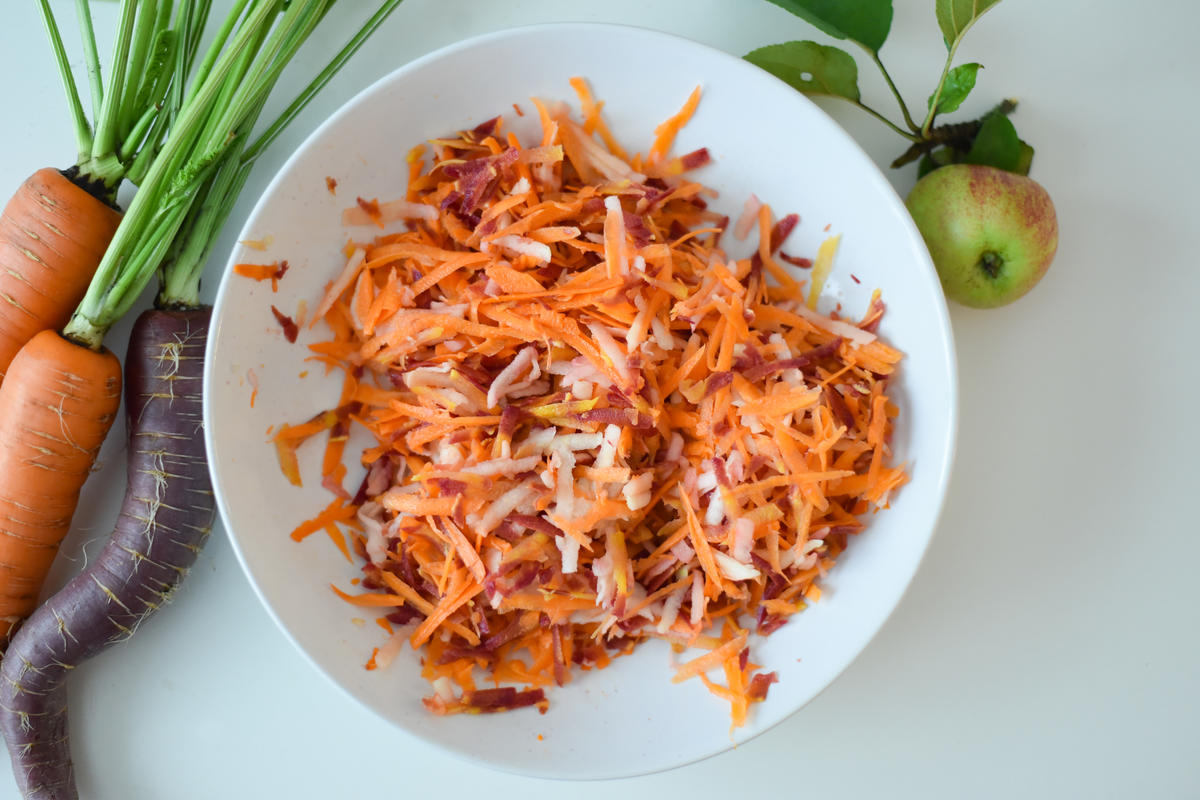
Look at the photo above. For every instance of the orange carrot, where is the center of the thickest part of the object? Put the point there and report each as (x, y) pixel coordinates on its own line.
(52, 236)
(57, 406)
(263, 272)
(710, 660)
(369, 600)
(664, 134)
(593, 122)
(337, 510)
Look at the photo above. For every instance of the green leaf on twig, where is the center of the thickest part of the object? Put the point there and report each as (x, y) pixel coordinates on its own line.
(959, 83)
(956, 16)
(996, 144)
(810, 67)
(815, 69)
(864, 21)
(1025, 159)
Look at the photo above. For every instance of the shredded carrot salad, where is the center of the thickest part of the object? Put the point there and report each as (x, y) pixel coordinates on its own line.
(592, 426)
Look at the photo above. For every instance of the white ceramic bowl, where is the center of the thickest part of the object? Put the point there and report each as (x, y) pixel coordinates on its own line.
(765, 138)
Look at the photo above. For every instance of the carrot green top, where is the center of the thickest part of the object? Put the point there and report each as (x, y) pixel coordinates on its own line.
(592, 426)
(131, 112)
(194, 178)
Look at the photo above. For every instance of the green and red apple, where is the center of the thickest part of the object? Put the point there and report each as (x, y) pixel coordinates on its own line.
(992, 234)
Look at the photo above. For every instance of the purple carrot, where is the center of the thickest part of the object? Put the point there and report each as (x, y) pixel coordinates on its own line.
(164, 522)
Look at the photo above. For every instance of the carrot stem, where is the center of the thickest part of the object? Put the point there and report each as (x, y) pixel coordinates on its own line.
(94, 315)
(159, 72)
(182, 272)
(189, 25)
(140, 70)
(83, 131)
(181, 277)
(104, 142)
(88, 34)
(213, 131)
(297, 22)
(318, 83)
(135, 277)
(137, 134)
(218, 110)
(213, 54)
(193, 28)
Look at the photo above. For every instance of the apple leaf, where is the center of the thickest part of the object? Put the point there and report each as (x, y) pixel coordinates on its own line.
(996, 144)
(956, 16)
(1025, 159)
(959, 83)
(864, 21)
(810, 67)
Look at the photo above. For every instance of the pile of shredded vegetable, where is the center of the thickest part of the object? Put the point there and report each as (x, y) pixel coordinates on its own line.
(592, 426)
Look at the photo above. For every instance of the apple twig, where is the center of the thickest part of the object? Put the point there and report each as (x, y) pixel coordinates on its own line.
(818, 69)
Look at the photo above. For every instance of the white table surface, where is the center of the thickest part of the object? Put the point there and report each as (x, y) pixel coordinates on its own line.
(1048, 647)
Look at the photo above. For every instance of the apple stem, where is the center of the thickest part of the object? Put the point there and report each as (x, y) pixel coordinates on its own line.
(990, 262)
